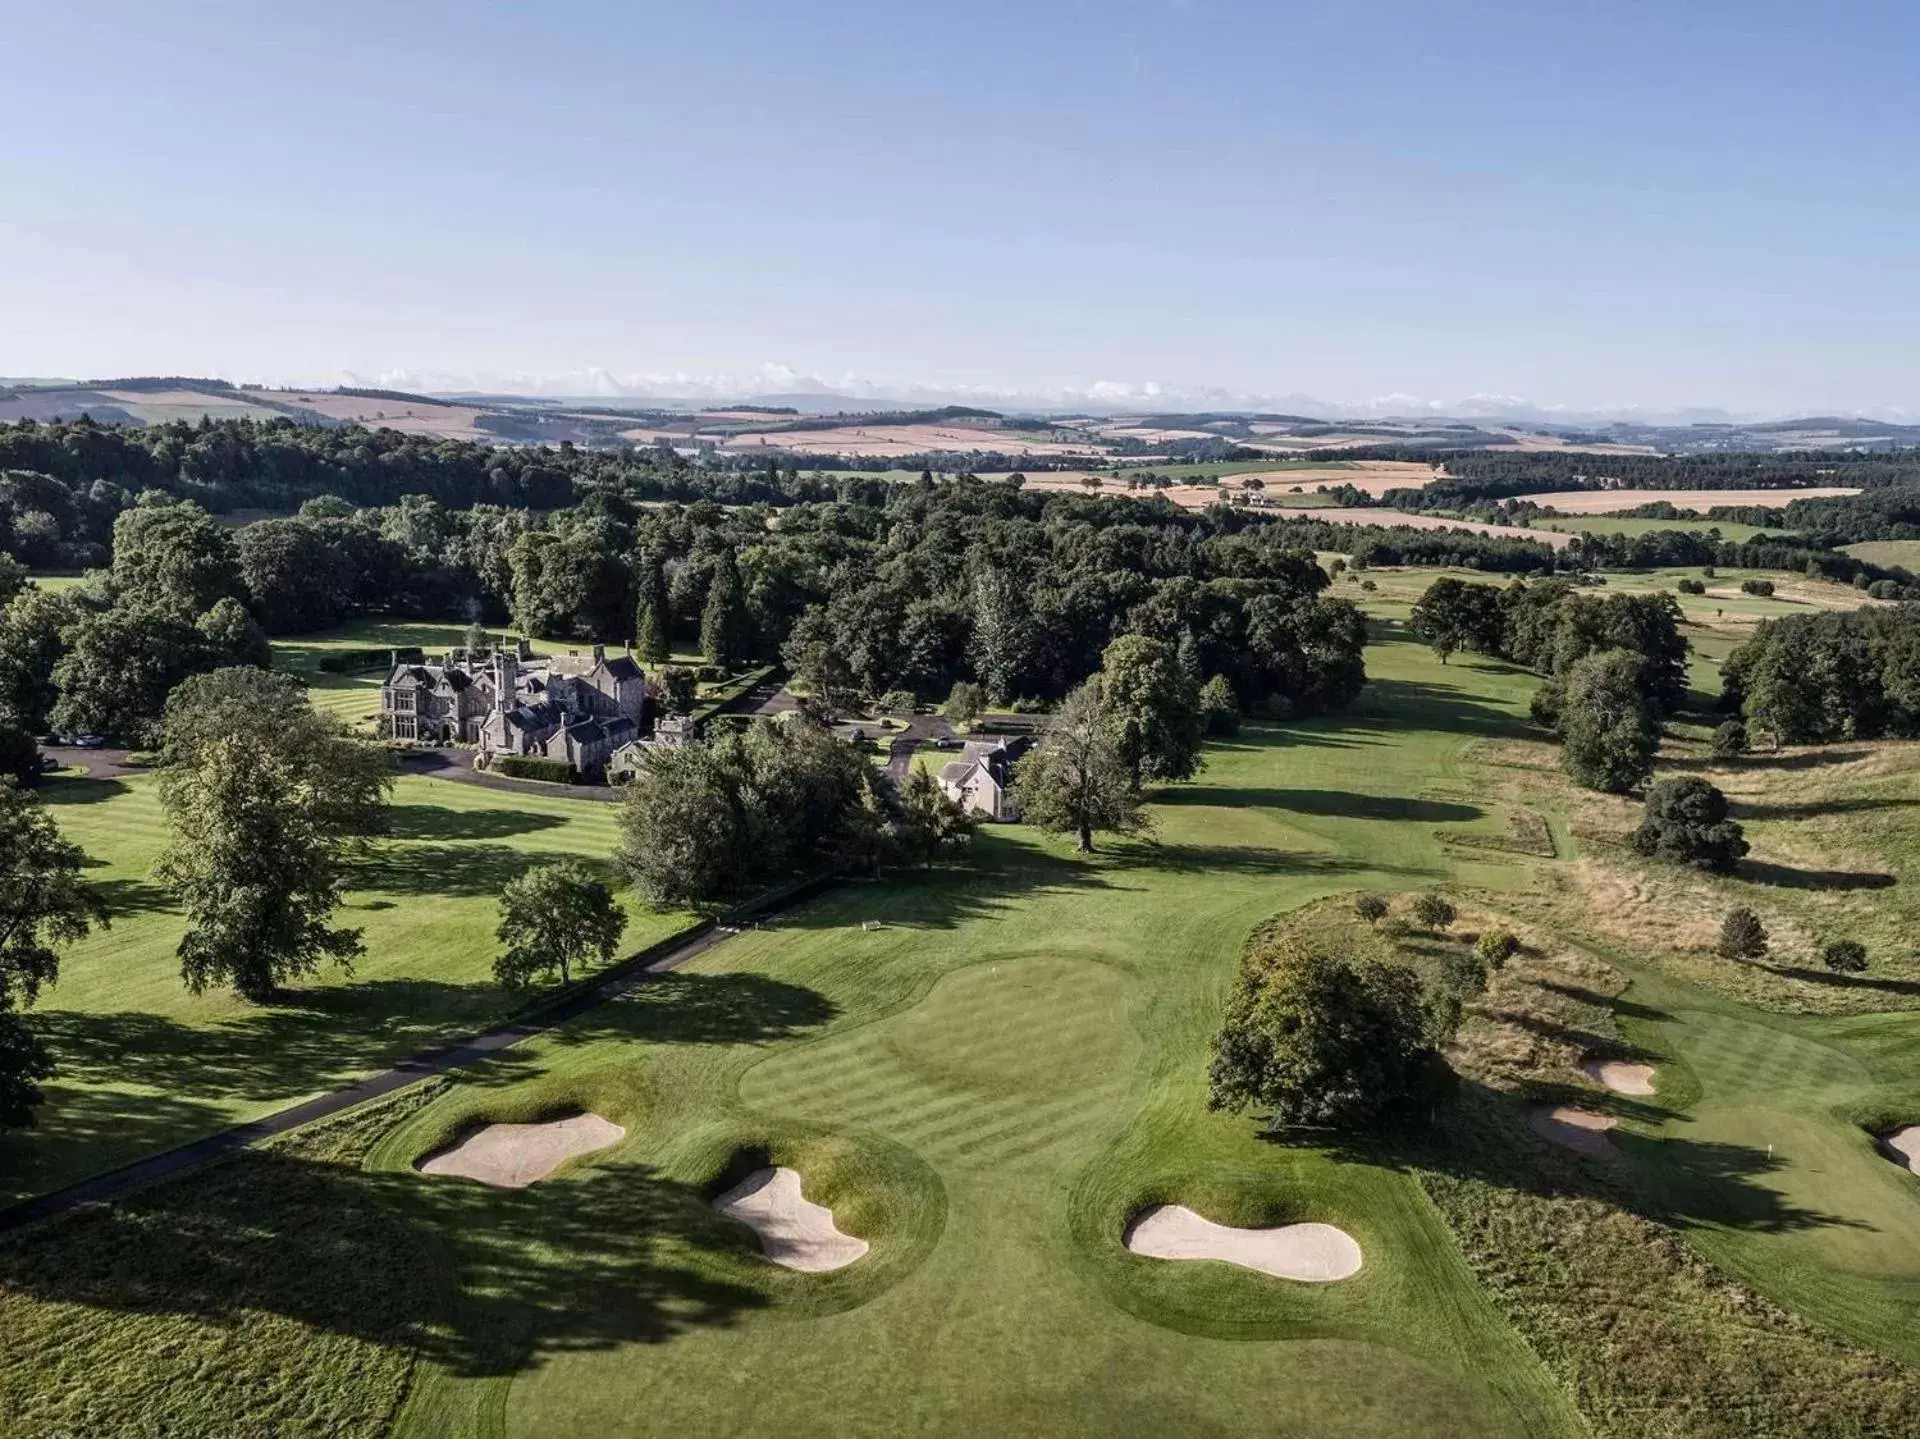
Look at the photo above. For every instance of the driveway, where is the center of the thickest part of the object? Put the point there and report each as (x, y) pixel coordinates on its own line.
(97, 763)
(457, 765)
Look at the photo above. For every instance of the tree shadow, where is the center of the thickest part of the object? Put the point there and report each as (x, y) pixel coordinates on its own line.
(124, 897)
(1619, 1004)
(479, 1280)
(1594, 1046)
(58, 790)
(1816, 808)
(432, 821)
(441, 869)
(1326, 803)
(1453, 709)
(1783, 876)
(685, 1007)
(1836, 980)
(1480, 1134)
(1803, 759)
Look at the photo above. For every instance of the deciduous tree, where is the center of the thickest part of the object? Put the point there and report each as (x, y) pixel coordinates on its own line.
(1686, 823)
(1078, 781)
(265, 798)
(43, 904)
(553, 918)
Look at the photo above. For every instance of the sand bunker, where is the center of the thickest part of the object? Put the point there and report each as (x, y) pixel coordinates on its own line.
(1578, 1129)
(1904, 1144)
(1313, 1253)
(1619, 1076)
(512, 1156)
(793, 1230)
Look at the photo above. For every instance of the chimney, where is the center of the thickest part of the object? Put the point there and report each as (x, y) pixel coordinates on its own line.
(508, 674)
(523, 648)
(599, 654)
(393, 660)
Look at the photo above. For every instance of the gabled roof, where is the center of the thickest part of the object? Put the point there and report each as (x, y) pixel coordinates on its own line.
(618, 729)
(623, 667)
(585, 731)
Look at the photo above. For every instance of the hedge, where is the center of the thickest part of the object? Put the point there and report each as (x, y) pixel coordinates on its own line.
(523, 766)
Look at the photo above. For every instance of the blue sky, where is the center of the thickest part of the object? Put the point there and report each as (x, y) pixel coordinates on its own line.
(1632, 204)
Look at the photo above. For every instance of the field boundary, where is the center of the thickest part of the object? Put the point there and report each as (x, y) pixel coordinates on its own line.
(620, 978)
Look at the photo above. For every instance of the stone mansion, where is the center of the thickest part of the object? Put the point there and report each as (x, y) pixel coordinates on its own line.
(578, 709)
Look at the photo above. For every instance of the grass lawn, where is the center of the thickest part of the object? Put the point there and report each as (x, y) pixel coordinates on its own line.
(145, 1065)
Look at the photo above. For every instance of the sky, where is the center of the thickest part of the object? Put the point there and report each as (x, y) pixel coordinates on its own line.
(1596, 207)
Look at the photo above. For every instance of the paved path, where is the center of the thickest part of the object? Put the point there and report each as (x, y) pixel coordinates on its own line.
(98, 763)
(621, 979)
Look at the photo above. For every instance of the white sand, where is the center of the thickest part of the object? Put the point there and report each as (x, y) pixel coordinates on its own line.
(1313, 1253)
(1578, 1129)
(794, 1231)
(1906, 1144)
(512, 1156)
(1619, 1076)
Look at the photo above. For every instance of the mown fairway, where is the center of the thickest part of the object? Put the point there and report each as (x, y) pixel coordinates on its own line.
(988, 1085)
(145, 1065)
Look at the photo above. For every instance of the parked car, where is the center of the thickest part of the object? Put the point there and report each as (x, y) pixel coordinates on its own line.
(84, 741)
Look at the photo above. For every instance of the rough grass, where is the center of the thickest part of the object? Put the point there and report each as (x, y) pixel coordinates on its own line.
(1834, 855)
(145, 1065)
(184, 1309)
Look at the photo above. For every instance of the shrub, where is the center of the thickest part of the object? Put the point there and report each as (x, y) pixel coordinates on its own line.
(1730, 740)
(899, 701)
(1692, 587)
(1762, 588)
(526, 766)
(1845, 956)
(1394, 927)
(1742, 936)
(1433, 911)
(1370, 907)
(1686, 823)
(346, 662)
(1496, 947)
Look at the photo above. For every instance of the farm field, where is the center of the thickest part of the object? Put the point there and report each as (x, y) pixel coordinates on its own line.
(1904, 554)
(1344, 516)
(146, 1065)
(1607, 502)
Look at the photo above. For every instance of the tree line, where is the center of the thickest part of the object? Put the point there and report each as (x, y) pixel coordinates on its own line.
(1835, 675)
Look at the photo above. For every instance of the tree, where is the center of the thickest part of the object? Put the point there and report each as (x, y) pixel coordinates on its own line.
(684, 827)
(1077, 781)
(1729, 740)
(1370, 907)
(30, 647)
(1155, 708)
(119, 666)
(723, 622)
(1742, 936)
(933, 825)
(819, 662)
(966, 702)
(1608, 732)
(266, 799)
(1432, 910)
(232, 637)
(677, 689)
(1459, 615)
(1686, 823)
(1845, 956)
(19, 755)
(173, 557)
(1219, 708)
(1322, 1040)
(653, 624)
(552, 918)
(43, 904)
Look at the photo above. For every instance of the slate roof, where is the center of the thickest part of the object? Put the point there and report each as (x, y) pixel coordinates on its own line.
(623, 667)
